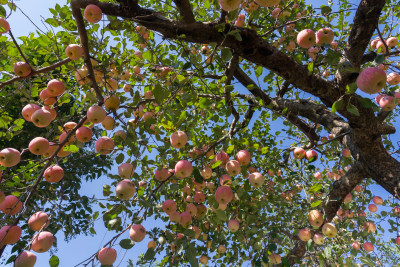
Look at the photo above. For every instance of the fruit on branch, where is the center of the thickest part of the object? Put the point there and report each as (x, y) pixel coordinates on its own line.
(387, 103)
(393, 78)
(233, 225)
(221, 249)
(183, 169)
(305, 234)
(346, 153)
(380, 45)
(4, 26)
(41, 118)
(93, 13)
(233, 167)
(47, 98)
(299, 153)
(28, 110)
(178, 139)
(334, 45)
(126, 170)
(96, 114)
(240, 20)
(275, 258)
(125, 189)
(306, 38)
(104, 145)
(185, 218)
(391, 42)
(63, 137)
(311, 155)
(223, 194)
(370, 227)
(203, 259)
(256, 179)
(244, 158)
(368, 246)
(267, 3)
(42, 242)
(348, 198)
(55, 87)
(74, 51)
(169, 206)
(377, 200)
(137, 233)
(206, 173)
(318, 239)
(175, 217)
(52, 111)
(162, 175)
(372, 208)
(11, 205)
(112, 102)
(324, 36)
(9, 157)
(53, 174)
(397, 240)
(317, 175)
(222, 156)
(81, 76)
(312, 52)
(315, 218)
(152, 245)
(38, 220)
(9, 234)
(356, 245)
(25, 259)
(22, 69)
(329, 230)
(107, 256)
(199, 197)
(148, 115)
(371, 80)
(83, 134)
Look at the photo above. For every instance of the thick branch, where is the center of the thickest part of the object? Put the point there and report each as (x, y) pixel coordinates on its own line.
(185, 9)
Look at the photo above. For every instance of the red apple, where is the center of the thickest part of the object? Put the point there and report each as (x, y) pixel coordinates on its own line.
(372, 208)
(183, 169)
(162, 175)
(126, 170)
(107, 256)
(233, 226)
(206, 173)
(356, 245)
(47, 98)
(223, 194)
(192, 209)
(306, 38)
(104, 145)
(42, 242)
(93, 13)
(377, 200)
(9, 157)
(175, 217)
(22, 69)
(371, 80)
(9, 234)
(315, 218)
(233, 167)
(244, 158)
(169, 206)
(55, 87)
(324, 36)
(41, 118)
(84, 134)
(393, 78)
(267, 3)
(299, 153)
(28, 110)
(368, 246)
(203, 259)
(199, 197)
(387, 103)
(186, 218)
(74, 51)
(178, 139)
(137, 233)
(125, 189)
(38, 220)
(25, 259)
(256, 179)
(305, 234)
(317, 175)
(54, 174)
(96, 114)
(318, 239)
(311, 155)
(4, 26)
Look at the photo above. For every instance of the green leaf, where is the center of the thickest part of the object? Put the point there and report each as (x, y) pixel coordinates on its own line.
(258, 71)
(3, 12)
(328, 252)
(197, 176)
(190, 254)
(216, 164)
(315, 203)
(159, 93)
(351, 88)
(315, 188)
(367, 261)
(149, 255)
(120, 158)
(221, 215)
(379, 59)
(126, 243)
(310, 67)
(352, 109)
(325, 9)
(54, 261)
(337, 105)
(226, 54)
(366, 102)
(230, 149)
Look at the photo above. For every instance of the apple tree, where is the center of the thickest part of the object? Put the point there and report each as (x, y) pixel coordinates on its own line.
(254, 131)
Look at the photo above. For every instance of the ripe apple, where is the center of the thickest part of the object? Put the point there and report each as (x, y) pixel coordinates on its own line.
(324, 36)
(244, 158)
(391, 42)
(229, 5)
(221, 249)
(311, 155)
(162, 175)
(329, 230)
(225, 180)
(377, 200)
(125, 189)
(169, 206)
(315, 218)
(233, 226)
(370, 227)
(372, 208)
(51, 150)
(9, 157)
(393, 78)
(96, 114)
(42, 242)
(317, 175)
(346, 153)
(318, 239)
(240, 20)
(186, 219)
(47, 98)
(275, 258)
(137, 233)
(356, 245)
(25, 259)
(152, 245)
(306, 38)
(371, 80)
(387, 103)
(305, 234)
(334, 45)
(93, 13)
(9, 234)
(368, 246)
(126, 170)
(178, 139)
(397, 240)
(112, 102)
(83, 134)
(358, 188)
(183, 169)
(53, 174)
(81, 76)
(223, 194)
(206, 173)
(312, 52)
(41, 118)
(192, 209)
(107, 256)
(203, 259)
(55, 87)
(104, 145)
(22, 69)
(222, 156)
(233, 167)
(175, 217)
(299, 153)
(37, 220)
(381, 45)
(28, 110)
(52, 111)
(74, 51)
(4, 26)
(199, 197)
(348, 198)
(256, 179)
(267, 3)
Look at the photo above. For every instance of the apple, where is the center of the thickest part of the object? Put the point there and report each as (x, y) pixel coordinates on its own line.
(147, 115)
(329, 230)
(306, 38)
(25, 259)
(83, 134)
(358, 188)
(55, 87)
(225, 180)
(370, 227)
(104, 145)
(152, 245)
(63, 152)
(206, 173)
(391, 42)
(275, 258)
(318, 239)
(112, 102)
(137, 233)
(317, 175)
(222, 156)
(371, 80)
(199, 197)
(178, 139)
(126, 170)
(240, 20)
(324, 36)
(311, 155)
(381, 45)
(52, 111)
(256, 179)
(9, 157)
(41, 118)
(120, 134)
(47, 98)
(125, 189)
(81, 76)
(42, 242)
(183, 169)
(372, 208)
(96, 114)
(348, 198)
(221, 249)
(51, 150)
(334, 45)
(377, 200)
(374, 42)
(192, 209)
(299, 153)
(233, 226)
(233, 167)
(162, 175)
(315, 218)
(223, 194)
(397, 240)
(387, 103)
(305, 234)
(267, 3)
(312, 52)
(38, 220)
(28, 110)
(74, 51)
(4, 26)
(138, 54)
(22, 69)
(203, 259)
(185, 219)
(63, 137)
(107, 256)
(393, 78)
(93, 13)
(53, 174)
(346, 153)
(9, 234)
(368, 246)
(175, 217)
(326, 73)
(169, 206)
(356, 245)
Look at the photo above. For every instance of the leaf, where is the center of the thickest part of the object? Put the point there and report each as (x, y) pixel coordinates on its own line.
(315, 203)
(120, 158)
(216, 164)
(367, 261)
(325, 9)
(221, 215)
(310, 67)
(337, 105)
(352, 109)
(3, 12)
(366, 102)
(230, 149)
(190, 254)
(315, 188)
(149, 255)
(226, 54)
(159, 93)
(54, 261)
(258, 71)
(327, 252)
(379, 59)
(197, 176)
(126, 243)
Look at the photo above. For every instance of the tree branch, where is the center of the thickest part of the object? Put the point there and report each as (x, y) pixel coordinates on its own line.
(185, 9)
